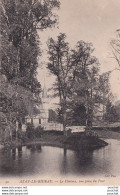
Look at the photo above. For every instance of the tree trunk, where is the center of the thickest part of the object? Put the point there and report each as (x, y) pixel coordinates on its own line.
(64, 122)
(86, 121)
(19, 133)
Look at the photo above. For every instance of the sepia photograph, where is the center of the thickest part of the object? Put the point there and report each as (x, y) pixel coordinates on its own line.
(60, 92)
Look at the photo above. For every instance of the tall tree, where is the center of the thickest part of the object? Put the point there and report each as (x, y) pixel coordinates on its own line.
(20, 40)
(60, 65)
(77, 73)
(85, 78)
(80, 87)
(20, 22)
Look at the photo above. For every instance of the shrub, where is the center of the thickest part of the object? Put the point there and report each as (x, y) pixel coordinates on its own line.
(38, 131)
(30, 130)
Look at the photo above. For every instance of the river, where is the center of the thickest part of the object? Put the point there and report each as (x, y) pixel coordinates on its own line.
(37, 160)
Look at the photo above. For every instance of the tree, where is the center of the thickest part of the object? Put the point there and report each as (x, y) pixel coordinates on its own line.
(111, 114)
(20, 22)
(20, 39)
(115, 45)
(60, 65)
(78, 81)
(85, 78)
(117, 107)
(14, 106)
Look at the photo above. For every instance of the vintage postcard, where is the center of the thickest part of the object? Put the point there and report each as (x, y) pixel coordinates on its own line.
(60, 92)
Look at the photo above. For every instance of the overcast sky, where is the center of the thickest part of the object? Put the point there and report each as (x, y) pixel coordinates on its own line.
(93, 21)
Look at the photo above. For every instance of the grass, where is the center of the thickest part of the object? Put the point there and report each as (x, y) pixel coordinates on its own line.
(115, 129)
(108, 133)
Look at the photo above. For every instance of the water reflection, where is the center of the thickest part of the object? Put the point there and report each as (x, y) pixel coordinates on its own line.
(34, 147)
(20, 152)
(14, 153)
(44, 160)
(77, 163)
(64, 162)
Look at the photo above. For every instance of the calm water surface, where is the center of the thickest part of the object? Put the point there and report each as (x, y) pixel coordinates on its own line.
(57, 162)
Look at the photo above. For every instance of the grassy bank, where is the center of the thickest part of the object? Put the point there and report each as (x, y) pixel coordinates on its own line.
(108, 133)
(76, 141)
(114, 129)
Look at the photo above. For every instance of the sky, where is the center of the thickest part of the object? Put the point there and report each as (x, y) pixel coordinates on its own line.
(94, 21)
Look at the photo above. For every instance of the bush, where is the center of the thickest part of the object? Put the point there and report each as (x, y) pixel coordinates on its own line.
(30, 131)
(38, 131)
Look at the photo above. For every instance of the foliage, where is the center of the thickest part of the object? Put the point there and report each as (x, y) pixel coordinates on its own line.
(79, 85)
(20, 22)
(117, 107)
(115, 46)
(84, 80)
(15, 105)
(111, 114)
(20, 40)
(32, 132)
(20, 44)
(60, 65)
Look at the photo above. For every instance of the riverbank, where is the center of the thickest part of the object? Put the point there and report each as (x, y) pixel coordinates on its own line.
(76, 141)
(107, 134)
